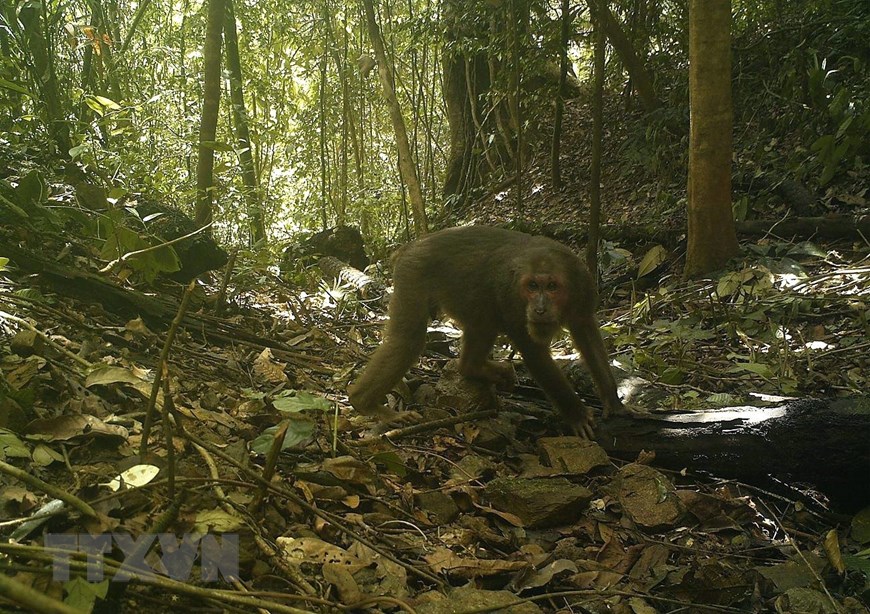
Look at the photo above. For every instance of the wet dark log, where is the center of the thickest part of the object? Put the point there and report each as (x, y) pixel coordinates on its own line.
(814, 442)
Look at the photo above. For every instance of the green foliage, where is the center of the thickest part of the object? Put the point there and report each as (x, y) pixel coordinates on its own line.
(757, 327)
(301, 427)
(128, 88)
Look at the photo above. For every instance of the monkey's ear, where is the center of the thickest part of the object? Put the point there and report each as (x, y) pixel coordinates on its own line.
(513, 270)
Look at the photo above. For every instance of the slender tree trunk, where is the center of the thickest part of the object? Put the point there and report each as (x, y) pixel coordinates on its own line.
(519, 16)
(107, 55)
(321, 133)
(565, 33)
(32, 17)
(595, 165)
(712, 239)
(211, 94)
(243, 133)
(634, 65)
(348, 125)
(406, 162)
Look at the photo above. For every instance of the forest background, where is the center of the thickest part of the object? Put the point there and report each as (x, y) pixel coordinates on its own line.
(110, 93)
(124, 124)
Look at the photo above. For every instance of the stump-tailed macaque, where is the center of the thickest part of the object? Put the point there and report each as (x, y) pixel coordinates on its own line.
(492, 281)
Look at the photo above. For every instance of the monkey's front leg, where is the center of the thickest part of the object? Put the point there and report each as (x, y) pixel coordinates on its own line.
(477, 342)
(546, 372)
(587, 337)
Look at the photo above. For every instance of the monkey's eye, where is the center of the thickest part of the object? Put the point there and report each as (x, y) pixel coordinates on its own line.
(552, 286)
(533, 285)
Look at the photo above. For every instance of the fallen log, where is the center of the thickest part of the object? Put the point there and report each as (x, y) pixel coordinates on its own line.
(837, 226)
(366, 285)
(827, 227)
(823, 443)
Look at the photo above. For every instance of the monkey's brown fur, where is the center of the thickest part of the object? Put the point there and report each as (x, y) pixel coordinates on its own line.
(492, 281)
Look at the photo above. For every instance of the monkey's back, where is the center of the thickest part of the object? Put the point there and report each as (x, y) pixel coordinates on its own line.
(467, 271)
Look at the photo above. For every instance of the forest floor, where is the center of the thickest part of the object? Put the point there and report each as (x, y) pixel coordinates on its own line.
(485, 504)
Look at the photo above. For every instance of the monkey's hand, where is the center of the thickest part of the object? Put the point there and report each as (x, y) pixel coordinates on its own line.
(581, 422)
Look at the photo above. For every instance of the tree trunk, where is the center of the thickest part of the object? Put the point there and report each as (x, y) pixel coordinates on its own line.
(634, 65)
(406, 162)
(211, 94)
(565, 33)
(595, 165)
(712, 239)
(32, 17)
(243, 134)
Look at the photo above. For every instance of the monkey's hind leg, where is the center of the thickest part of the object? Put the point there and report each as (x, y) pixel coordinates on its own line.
(404, 340)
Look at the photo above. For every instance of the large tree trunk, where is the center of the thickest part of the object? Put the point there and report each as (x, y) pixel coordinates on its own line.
(712, 239)
(406, 162)
(461, 175)
(243, 134)
(211, 95)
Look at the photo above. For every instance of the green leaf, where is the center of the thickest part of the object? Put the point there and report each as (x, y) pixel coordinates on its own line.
(721, 399)
(300, 401)
(78, 150)
(860, 529)
(652, 259)
(392, 462)
(753, 367)
(299, 431)
(823, 143)
(857, 563)
(672, 376)
(31, 189)
(216, 145)
(15, 208)
(9, 85)
(806, 248)
(82, 595)
(120, 241)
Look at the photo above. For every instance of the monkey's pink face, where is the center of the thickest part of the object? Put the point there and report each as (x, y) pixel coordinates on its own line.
(546, 297)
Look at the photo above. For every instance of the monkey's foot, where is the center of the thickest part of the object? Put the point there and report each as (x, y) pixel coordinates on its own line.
(387, 419)
(502, 374)
(624, 410)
